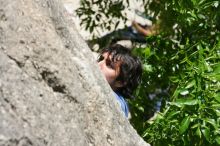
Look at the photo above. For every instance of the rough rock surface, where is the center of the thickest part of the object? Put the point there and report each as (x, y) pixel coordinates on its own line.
(51, 90)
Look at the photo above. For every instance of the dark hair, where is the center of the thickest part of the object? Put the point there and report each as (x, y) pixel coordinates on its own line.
(130, 69)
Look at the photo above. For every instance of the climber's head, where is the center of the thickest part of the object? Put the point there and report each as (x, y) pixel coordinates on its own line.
(122, 70)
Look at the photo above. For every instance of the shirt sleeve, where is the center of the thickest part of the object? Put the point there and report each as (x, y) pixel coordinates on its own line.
(123, 103)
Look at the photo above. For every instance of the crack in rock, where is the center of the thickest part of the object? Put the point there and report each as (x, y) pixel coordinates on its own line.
(23, 141)
(53, 82)
(20, 64)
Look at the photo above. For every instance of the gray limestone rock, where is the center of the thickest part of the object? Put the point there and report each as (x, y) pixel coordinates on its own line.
(51, 90)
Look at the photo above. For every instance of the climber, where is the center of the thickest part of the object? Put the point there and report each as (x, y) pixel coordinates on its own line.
(122, 71)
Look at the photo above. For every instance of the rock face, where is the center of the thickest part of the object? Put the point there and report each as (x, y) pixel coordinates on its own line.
(51, 90)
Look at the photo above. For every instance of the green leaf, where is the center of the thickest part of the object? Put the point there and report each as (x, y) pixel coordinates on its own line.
(198, 132)
(215, 105)
(201, 16)
(141, 108)
(145, 133)
(212, 122)
(147, 51)
(216, 4)
(217, 97)
(195, 125)
(147, 67)
(217, 112)
(184, 92)
(194, 2)
(184, 124)
(176, 93)
(190, 84)
(217, 68)
(206, 133)
(176, 104)
(174, 79)
(159, 116)
(173, 113)
(217, 139)
(187, 101)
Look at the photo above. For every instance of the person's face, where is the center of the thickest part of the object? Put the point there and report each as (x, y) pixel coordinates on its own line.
(110, 69)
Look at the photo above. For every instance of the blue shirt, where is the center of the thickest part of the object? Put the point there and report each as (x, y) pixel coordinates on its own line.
(123, 103)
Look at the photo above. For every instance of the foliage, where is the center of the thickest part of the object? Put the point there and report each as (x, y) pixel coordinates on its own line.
(191, 117)
(182, 70)
(100, 14)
